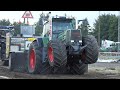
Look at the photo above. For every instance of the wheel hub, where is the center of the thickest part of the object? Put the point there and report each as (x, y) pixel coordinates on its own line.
(32, 59)
(50, 54)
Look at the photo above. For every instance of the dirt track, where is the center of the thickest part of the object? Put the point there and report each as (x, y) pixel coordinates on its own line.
(96, 71)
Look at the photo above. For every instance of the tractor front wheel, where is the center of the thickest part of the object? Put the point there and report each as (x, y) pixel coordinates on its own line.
(78, 68)
(35, 64)
(57, 56)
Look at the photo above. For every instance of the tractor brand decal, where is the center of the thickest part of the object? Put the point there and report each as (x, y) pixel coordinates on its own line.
(17, 40)
(20, 42)
(50, 33)
(50, 30)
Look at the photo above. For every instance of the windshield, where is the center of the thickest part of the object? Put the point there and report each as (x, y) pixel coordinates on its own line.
(62, 25)
(3, 32)
(27, 30)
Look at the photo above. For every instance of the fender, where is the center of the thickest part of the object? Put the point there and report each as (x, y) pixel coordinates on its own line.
(42, 42)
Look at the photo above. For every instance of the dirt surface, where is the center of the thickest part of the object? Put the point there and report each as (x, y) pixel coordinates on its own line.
(96, 71)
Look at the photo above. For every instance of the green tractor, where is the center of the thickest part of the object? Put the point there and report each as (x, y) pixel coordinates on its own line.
(62, 48)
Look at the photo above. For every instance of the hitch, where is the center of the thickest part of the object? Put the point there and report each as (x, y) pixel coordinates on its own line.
(76, 50)
(82, 48)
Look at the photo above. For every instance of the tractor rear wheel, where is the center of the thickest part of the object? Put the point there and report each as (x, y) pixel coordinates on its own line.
(90, 54)
(57, 56)
(35, 64)
(78, 68)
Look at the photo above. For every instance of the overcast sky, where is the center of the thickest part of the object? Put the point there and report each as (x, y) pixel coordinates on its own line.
(17, 15)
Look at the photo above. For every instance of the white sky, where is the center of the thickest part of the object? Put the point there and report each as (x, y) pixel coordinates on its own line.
(17, 15)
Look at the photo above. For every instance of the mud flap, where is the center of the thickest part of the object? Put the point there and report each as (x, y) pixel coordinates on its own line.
(19, 62)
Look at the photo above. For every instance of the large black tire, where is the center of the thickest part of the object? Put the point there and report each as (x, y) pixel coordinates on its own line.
(90, 54)
(59, 57)
(39, 66)
(78, 68)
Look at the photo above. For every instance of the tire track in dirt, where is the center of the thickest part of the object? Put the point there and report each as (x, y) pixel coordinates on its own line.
(96, 71)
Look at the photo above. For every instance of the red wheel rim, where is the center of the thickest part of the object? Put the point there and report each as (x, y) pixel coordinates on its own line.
(50, 54)
(32, 59)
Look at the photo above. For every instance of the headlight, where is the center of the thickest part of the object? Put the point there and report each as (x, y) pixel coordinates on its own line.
(80, 41)
(72, 41)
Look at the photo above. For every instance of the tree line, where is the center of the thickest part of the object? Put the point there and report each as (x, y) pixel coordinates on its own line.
(107, 23)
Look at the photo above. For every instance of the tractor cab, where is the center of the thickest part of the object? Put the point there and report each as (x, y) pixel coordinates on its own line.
(55, 26)
(60, 50)
(61, 24)
(64, 27)
(6, 29)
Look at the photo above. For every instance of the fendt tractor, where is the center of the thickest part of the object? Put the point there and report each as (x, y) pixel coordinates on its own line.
(61, 48)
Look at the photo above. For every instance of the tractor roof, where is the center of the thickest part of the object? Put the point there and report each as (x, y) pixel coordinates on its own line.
(62, 18)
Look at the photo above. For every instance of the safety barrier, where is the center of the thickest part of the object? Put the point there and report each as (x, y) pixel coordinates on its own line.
(109, 55)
